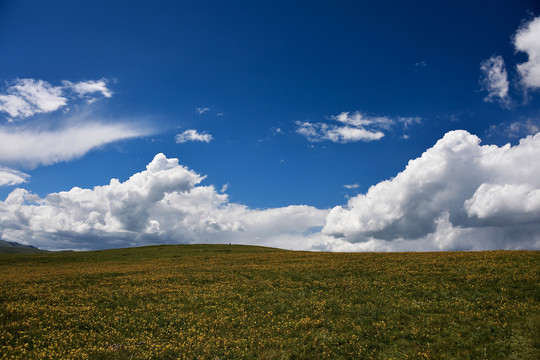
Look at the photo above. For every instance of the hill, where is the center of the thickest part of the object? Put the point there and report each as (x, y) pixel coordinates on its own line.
(12, 247)
(246, 302)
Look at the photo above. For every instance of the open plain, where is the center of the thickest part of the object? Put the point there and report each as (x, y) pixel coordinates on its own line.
(233, 301)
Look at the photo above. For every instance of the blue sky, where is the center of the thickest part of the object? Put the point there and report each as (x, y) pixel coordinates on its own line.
(280, 104)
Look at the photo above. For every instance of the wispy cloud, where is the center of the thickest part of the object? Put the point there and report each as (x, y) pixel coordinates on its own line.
(494, 80)
(527, 39)
(11, 177)
(338, 134)
(193, 135)
(56, 139)
(202, 110)
(358, 119)
(515, 129)
(33, 147)
(409, 121)
(351, 186)
(351, 127)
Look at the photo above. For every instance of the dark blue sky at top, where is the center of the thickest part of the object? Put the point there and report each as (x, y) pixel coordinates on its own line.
(266, 65)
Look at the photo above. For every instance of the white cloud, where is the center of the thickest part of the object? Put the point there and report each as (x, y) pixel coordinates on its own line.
(457, 195)
(338, 134)
(351, 128)
(224, 188)
(358, 119)
(33, 147)
(27, 97)
(351, 186)
(15, 106)
(512, 203)
(494, 80)
(52, 140)
(193, 135)
(11, 177)
(164, 203)
(527, 39)
(408, 121)
(203, 110)
(85, 88)
(515, 129)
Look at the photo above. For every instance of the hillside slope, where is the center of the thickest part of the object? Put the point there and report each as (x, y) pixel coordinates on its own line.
(12, 247)
(247, 302)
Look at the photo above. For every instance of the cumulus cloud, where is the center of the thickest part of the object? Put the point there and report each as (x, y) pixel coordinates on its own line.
(350, 128)
(27, 97)
(163, 204)
(193, 135)
(457, 195)
(527, 39)
(506, 203)
(33, 147)
(11, 177)
(494, 80)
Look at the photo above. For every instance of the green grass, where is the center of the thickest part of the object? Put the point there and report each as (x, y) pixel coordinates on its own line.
(231, 301)
(9, 247)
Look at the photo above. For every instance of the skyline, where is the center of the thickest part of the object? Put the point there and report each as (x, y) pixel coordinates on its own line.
(343, 127)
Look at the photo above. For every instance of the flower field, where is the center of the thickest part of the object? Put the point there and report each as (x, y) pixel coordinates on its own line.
(242, 302)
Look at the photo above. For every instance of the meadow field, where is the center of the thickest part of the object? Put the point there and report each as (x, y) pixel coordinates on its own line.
(243, 302)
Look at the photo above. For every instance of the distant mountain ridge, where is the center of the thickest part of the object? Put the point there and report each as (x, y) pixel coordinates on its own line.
(12, 247)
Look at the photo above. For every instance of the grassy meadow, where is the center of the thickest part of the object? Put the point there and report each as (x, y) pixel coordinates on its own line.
(243, 302)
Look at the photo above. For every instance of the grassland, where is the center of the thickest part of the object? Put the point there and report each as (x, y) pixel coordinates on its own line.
(241, 302)
(9, 247)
